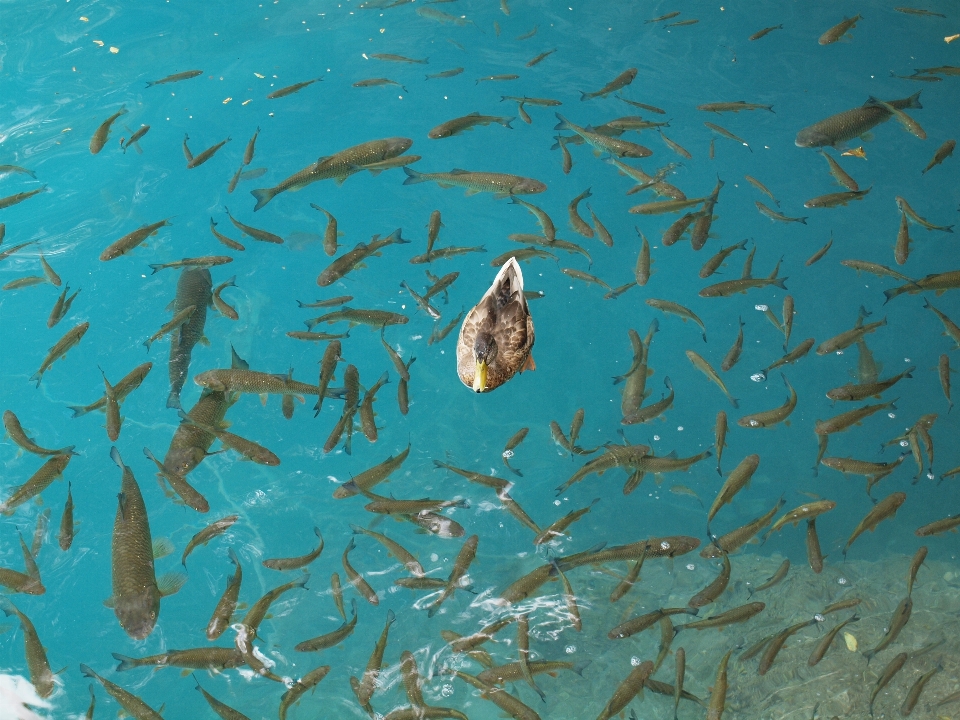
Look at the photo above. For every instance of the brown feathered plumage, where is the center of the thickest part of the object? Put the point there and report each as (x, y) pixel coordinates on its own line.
(498, 329)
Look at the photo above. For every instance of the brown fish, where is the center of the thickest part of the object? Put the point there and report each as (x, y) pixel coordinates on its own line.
(884, 509)
(99, 138)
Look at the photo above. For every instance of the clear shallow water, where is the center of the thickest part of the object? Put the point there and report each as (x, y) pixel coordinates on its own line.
(61, 85)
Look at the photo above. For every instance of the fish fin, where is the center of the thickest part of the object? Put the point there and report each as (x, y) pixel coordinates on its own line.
(170, 583)
(109, 602)
(126, 663)
(204, 341)
(161, 548)
(263, 398)
(413, 176)
(471, 191)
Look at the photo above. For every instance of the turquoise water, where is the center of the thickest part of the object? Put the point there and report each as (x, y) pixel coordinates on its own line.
(62, 80)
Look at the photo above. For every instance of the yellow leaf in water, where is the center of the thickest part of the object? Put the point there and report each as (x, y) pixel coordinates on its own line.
(259, 75)
(114, 50)
(851, 641)
(84, 19)
(227, 100)
(99, 42)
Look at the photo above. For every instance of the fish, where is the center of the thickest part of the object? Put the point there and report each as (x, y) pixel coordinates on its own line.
(619, 82)
(201, 158)
(218, 527)
(331, 639)
(844, 421)
(834, 199)
(368, 682)
(540, 58)
(353, 258)
(300, 687)
(99, 138)
(909, 124)
(357, 580)
(769, 418)
(136, 592)
(205, 658)
(62, 306)
(727, 134)
(703, 366)
(134, 138)
(735, 539)
(901, 251)
(290, 90)
(917, 11)
(603, 143)
(500, 697)
(177, 77)
(131, 240)
(627, 690)
(132, 704)
(777, 642)
(892, 668)
(839, 174)
(258, 611)
(738, 478)
(827, 640)
(338, 166)
(465, 556)
(445, 73)
(467, 122)
(639, 624)
(230, 243)
(374, 318)
(36, 484)
(857, 392)
(886, 508)
(761, 33)
(839, 30)
(774, 215)
(849, 337)
(938, 526)
(194, 287)
(714, 263)
(682, 23)
(668, 306)
(296, 563)
(875, 269)
(41, 676)
(734, 107)
(942, 153)
(736, 615)
(911, 213)
(901, 616)
(205, 262)
(939, 282)
(16, 433)
(661, 18)
(227, 604)
(378, 82)
(838, 129)
(501, 184)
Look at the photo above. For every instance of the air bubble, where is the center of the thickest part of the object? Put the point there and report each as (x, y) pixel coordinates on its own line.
(842, 580)
(691, 566)
(570, 649)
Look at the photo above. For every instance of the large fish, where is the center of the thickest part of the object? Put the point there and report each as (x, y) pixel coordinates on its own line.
(839, 128)
(500, 184)
(195, 287)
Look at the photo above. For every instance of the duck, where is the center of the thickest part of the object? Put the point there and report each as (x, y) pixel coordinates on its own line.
(496, 338)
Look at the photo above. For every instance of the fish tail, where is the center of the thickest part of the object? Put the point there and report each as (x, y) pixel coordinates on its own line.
(126, 663)
(78, 410)
(779, 283)
(506, 123)
(564, 124)
(914, 101)
(156, 269)
(413, 176)
(584, 96)
(263, 196)
(87, 672)
(38, 376)
(173, 399)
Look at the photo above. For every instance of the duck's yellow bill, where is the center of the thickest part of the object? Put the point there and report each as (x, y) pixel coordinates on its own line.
(480, 377)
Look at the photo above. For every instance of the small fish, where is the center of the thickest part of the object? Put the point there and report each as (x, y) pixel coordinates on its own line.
(131, 240)
(604, 143)
(734, 107)
(661, 18)
(942, 153)
(682, 23)
(541, 57)
(901, 615)
(839, 174)
(497, 78)
(377, 82)
(886, 508)
(295, 563)
(839, 30)
(134, 138)
(918, 11)
(501, 184)
(586, 277)
(255, 233)
(774, 215)
(200, 159)
(230, 243)
(177, 77)
(760, 33)
(99, 138)
(202, 262)
(445, 73)
(71, 338)
(621, 81)
(736, 615)
(912, 214)
(727, 134)
(821, 648)
(218, 527)
(738, 479)
(680, 311)
(467, 122)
